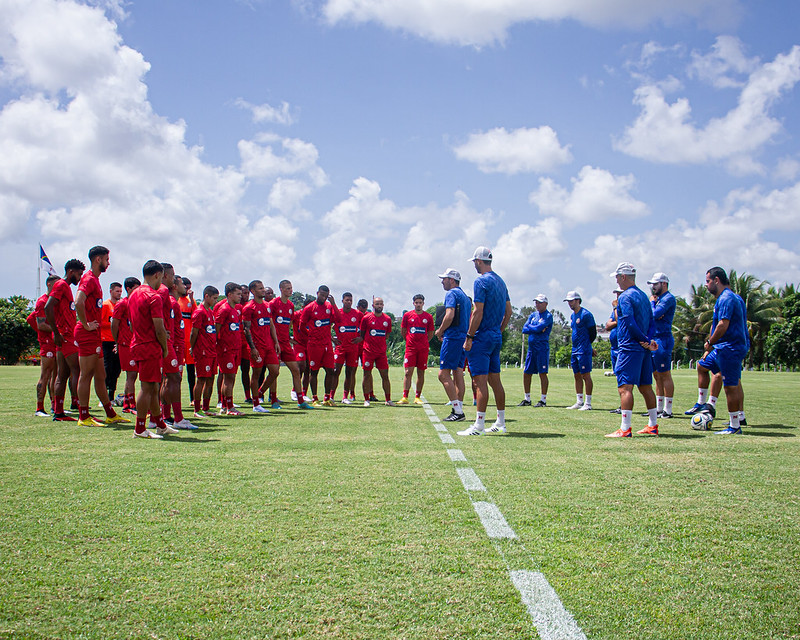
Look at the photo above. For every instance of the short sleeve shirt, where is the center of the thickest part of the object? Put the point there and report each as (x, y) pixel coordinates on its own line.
(229, 318)
(375, 330)
(417, 326)
(65, 311)
(490, 290)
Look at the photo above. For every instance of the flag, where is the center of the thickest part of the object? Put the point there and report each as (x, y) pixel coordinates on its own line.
(47, 264)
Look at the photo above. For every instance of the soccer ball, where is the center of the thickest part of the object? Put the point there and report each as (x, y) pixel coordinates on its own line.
(702, 421)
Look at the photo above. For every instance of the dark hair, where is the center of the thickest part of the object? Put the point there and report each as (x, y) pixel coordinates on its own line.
(74, 264)
(244, 286)
(131, 283)
(283, 282)
(230, 287)
(362, 303)
(347, 294)
(114, 284)
(178, 278)
(167, 266)
(210, 290)
(52, 279)
(98, 250)
(324, 287)
(186, 282)
(254, 284)
(719, 272)
(152, 267)
(419, 296)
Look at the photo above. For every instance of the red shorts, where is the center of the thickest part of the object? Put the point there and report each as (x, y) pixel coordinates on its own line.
(205, 366)
(126, 361)
(47, 350)
(376, 360)
(301, 352)
(170, 364)
(245, 353)
(416, 358)
(149, 369)
(320, 356)
(68, 347)
(89, 342)
(181, 353)
(347, 354)
(287, 353)
(266, 355)
(229, 361)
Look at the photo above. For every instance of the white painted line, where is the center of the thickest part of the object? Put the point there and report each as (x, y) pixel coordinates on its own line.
(456, 455)
(446, 438)
(470, 479)
(440, 427)
(431, 413)
(551, 619)
(434, 419)
(493, 521)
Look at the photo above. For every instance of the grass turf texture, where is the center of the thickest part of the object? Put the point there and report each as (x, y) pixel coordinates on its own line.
(352, 522)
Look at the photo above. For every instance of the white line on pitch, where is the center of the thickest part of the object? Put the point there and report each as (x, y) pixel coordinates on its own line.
(552, 620)
(493, 520)
(456, 455)
(470, 479)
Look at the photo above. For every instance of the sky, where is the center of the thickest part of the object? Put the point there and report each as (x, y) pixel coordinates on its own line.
(371, 144)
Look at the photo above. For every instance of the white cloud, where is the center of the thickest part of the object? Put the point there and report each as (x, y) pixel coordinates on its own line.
(268, 113)
(259, 159)
(788, 168)
(526, 247)
(665, 133)
(725, 60)
(511, 152)
(483, 22)
(596, 195)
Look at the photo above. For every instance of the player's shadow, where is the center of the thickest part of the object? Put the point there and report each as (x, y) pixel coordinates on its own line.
(190, 439)
(680, 436)
(771, 426)
(528, 434)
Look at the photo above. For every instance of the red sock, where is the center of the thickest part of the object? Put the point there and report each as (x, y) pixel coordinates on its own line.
(177, 409)
(405, 393)
(256, 401)
(198, 402)
(59, 404)
(110, 413)
(141, 424)
(418, 393)
(83, 413)
(206, 403)
(159, 420)
(40, 406)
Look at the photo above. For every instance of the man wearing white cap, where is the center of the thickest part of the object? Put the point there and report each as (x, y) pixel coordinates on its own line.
(537, 328)
(584, 331)
(484, 340)
(664, 305)
(635, 328)
(452, 332)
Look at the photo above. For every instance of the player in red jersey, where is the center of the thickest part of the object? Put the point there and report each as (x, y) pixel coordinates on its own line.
(348, 343)
(363, 307)
(417, 330)
(244, 359)
(89, 308)
(149, 347)
(179, 336)
(300, 337)
(60, 313)
(171, 366)
(188, 305)
(259, 332)
(283, 313)
(319, 316)
(47, 350)
(203, 343)
(121, 332)
(228, 320)
(111, 362)
(375, 327)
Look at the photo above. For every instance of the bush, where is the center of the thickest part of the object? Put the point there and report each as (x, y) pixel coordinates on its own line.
(16, 335)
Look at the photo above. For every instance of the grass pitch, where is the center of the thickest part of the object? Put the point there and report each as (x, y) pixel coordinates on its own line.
(353, 523)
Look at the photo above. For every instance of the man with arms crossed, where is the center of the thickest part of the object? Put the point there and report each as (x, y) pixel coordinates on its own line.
(375, 327)
(47, 350)
(584, 331)
(664, 305)
(484, 340)
(283, 313)
(538, 328)
(121, 332)
(416, 329)
(347, 341)
(259, 332)
(452, 332)
(203, 343)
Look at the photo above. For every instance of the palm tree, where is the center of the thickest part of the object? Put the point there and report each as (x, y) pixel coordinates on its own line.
(764, 308)
(692, 321)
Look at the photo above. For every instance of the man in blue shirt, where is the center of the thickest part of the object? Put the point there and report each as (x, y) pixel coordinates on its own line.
(484, 339)
(452, 332)
(584, 331)
(635, 328)
(727, 345)
(664, 305)
(537, 328)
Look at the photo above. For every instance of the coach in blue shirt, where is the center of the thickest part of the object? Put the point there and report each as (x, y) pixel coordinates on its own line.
(537, 328)
(452, 333)
(584, 331)
(664, 305)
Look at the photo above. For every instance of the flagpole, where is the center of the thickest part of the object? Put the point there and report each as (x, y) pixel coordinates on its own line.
(39, 273)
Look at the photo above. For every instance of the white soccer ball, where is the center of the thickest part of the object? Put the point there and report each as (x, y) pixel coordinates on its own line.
(702, 421)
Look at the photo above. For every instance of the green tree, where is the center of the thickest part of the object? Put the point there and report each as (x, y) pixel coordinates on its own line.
(16, 335)
(783, 339)
(763, 310)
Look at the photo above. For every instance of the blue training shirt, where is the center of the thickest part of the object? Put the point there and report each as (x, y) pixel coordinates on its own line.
(490, 289)
(458, 300)
(580, 323)
(612, 336)
(538, 328)
(635, 321)
(663, 313)
(729, 306)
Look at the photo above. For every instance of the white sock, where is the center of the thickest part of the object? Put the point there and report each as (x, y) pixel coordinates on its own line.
(626, 420)
(544, 397)
(579, 398)
(659, 403)
(588, 400)
(527, 397)
(458, 406)
(712, 400)
(741, 415)
(702, 396)
(668, 404)
(501, 416)
(734, 416)
(652, 417)
(480, 421)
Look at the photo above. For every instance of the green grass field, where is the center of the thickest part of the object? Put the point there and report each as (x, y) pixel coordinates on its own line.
(353, 522)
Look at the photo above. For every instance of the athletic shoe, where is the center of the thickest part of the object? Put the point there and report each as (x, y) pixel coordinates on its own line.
(664, 414)
(304, 405)
(586, 407)
(169, 421)
(347, 401)
(89, 422)
(619, 433)
(328, 403)
(390, 403)
(697, 408)
(730, 431)
(248, 401)
(449, 403)
(472, 430)
(116, 419)
(42, 414)
(305, 399)
(648, 431)
(366, 403)
(147, 434)
(372, 398)
(276, 405)
(618, 410)
(742, 423)
(234, 412)
(455, 417)
(577, 405)
(712, 411)
(293, 395)
(524, 403)
(474, 402)
(316, 404)
(63, 417)
(131, 410)
(541, 403)
(167, 430)
(418, 401)
(403, 400)
(185, 424)
(496, 430)
(200, 415)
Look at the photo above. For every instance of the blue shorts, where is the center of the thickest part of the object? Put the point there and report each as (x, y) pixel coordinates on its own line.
(614, 356)
(634, 367)
(726, 362)
(537, 360)
(581, 363)
(451, 355)
(484, 357)
(662, 359)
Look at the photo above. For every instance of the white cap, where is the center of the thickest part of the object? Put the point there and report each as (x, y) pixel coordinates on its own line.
(658, 277)
(624, 269)
(540, 298)
(572, 295)
(451, 273)
(482, 253)
(617, 291)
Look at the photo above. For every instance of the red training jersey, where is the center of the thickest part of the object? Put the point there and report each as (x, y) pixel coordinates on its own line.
(259, 315)
(65, 311)
(144, 306)
(106, 314)
(417, 326)
(205, 345)
(178, 334)
(123, 317)
(375, 329)
(282, 314)
(347, 326)
(229, 336)
(318, 319)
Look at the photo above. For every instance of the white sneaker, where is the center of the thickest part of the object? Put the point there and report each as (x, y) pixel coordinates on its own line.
(307, 399)
(185, 424)
(152, 425)
(496, 429)
(390, 403)
(586, 407)
(577, 405)
(259, 409)
(366, 403)
(347, 401)
(472, 430)
(294, 396)
(167, 430)
(147, 434)
(219, 405)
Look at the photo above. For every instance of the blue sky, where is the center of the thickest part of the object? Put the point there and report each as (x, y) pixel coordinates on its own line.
(370, 144)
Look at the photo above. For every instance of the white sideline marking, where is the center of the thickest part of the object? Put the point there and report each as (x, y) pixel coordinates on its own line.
(493, 521)
(440, 427)
(456, 455)
(470, 479)
(551, 619)
(434, 419)
(446, 438)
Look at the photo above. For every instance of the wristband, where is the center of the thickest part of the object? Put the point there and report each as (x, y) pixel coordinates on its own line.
(469, 337)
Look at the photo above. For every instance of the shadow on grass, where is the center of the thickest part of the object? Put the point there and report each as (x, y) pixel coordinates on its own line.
(770, 426)
(768, 434)
(518, 434)
(189, 439)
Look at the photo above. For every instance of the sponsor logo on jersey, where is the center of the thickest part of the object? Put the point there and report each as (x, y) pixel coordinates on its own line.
(174, 362)
(263, 322)
(210, 328)
(377, 332)
(417, 330)
(322, 323)
(233, 326)
(99, 303)
(282, 320)
(343, 329)
(182, 325)
(72, 306)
